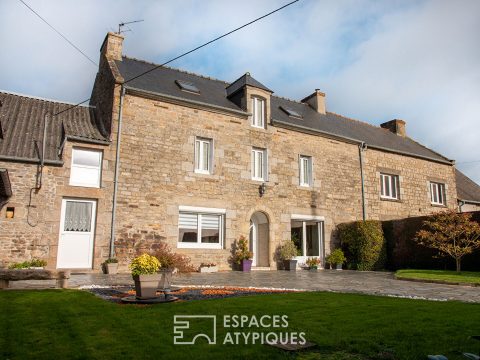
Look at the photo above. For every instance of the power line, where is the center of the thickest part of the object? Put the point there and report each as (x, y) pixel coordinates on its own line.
(59, 33)
(467, 162)
(188, 52)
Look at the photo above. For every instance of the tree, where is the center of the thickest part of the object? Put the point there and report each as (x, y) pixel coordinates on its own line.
(451, 233)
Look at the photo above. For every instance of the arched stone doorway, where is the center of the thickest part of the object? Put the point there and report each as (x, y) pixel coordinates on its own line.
(259, 239)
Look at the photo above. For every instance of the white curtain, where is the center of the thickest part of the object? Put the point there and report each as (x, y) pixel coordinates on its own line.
(78, 216)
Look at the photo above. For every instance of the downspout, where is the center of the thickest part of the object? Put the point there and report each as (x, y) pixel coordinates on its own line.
(115, 178)
(361, 148)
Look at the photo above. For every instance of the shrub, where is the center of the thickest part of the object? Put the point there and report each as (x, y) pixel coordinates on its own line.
(241, 252)
(364, 244)
(111, 261)
(336, 257)
(170, 259)
(288, 250)
(144, 265)
(35, 262)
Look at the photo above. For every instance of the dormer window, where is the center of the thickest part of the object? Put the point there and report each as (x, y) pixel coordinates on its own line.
(187, 86)
(258, 112)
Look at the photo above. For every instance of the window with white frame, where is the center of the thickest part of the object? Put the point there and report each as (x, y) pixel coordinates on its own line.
(202, 228)
(203, 155)
(437, 193)
(258, 112)
(259, 164)
(305, 167)
(389, 186)
(86, 168)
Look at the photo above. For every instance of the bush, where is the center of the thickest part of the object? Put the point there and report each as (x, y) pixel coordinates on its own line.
(172, 260)
(241, 250)
(111, 261)
(35, 262)
(144, 265)
(288, 250)
(336, 257)
(364, 244)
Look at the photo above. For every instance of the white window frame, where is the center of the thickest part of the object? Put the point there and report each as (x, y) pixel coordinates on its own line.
(258, 122)
(75, 182)
(438, 190)
(199, 211)
(199, 158)
(256, 152)
(394, 182)
(320, 220)
(305, 166)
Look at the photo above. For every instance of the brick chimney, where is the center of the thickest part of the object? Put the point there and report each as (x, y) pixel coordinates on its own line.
(316, 101)
(396, 126)
(112, 46)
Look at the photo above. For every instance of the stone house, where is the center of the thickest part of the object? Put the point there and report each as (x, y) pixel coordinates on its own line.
(196, 162)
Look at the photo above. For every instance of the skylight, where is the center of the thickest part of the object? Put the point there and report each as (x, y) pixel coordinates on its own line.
(187, 86)
(291, 112)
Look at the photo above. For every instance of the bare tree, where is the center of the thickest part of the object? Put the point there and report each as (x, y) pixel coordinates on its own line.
(451, 233)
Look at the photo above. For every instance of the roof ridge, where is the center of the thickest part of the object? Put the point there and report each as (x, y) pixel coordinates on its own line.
(356, 120)
(43, 99)
(288, 99)
(177, 69)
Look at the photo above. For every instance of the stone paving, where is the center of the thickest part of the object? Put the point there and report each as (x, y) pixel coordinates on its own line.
(375, 283)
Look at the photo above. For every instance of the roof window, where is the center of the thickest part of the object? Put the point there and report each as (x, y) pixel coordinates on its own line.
(290, 112)
(187, 86)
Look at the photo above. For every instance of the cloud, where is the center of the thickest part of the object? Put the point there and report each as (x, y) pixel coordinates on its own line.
(415, 60)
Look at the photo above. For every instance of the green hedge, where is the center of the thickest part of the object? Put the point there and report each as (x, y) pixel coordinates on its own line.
(364, 245)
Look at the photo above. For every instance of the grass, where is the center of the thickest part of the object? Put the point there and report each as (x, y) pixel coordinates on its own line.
(70, 324)
(469, 277)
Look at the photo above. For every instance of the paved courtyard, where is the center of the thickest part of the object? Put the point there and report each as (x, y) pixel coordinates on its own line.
(375, 283)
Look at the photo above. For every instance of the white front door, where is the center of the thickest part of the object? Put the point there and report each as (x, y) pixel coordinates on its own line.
(77, 229)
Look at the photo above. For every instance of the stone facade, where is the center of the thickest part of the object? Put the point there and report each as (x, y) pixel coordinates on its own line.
(156, 177)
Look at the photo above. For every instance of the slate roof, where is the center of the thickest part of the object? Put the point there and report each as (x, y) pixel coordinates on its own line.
(22, 120)
(215, 92)
(467, 189)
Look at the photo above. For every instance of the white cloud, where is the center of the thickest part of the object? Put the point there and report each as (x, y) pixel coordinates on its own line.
(416, 60)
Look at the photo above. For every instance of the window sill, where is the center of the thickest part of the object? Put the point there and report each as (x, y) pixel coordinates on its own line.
(192, 245)
(391, 200)
(438, 205)
(85, 186)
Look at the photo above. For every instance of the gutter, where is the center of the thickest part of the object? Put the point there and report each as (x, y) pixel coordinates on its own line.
(356, 141)
(115, 179)
(30, 161)
(361, 148)
(181, 101)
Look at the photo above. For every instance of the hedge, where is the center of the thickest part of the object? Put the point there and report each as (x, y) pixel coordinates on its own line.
(364, 245)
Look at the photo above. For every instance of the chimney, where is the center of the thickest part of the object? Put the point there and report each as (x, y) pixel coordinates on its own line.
(396, 126)
(112, 46)
(316, 101)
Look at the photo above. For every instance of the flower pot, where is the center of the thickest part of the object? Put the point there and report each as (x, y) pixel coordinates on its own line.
(290, 265)
(111, 268)
(339, 267)
(246, 265)
(146, 285)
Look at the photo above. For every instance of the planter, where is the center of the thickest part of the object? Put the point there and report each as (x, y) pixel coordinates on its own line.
(111, 268)
(339, 267)
(313, 268)
(146, 285)
(165, 278)
(246, 265)
(208, 269)
(36, 268)
(290, 265)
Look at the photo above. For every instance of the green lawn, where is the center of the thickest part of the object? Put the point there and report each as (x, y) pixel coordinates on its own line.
(440, 275)
(70, 324)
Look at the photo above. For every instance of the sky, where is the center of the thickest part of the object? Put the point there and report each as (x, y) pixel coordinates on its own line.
(376, 60)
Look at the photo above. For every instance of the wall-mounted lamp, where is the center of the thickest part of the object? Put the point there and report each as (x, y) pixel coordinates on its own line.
(261, 189)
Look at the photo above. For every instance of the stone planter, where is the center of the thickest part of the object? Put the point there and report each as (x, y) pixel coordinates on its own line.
(290, 265)
(111, 268)
(246, 265)
(208, 269)
(146, 285)
(339, 267)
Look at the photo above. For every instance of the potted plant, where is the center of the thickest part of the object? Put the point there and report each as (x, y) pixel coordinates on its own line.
(287, 253)
(208, 267)
(145, 275)
(111, 266)
(336, 257)
(243, 255)
(313, 263)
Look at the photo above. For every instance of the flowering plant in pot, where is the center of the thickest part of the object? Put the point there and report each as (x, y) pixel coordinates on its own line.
(336, 257)
(243, 255)
(287, 253)
(145, 275)
(111, 266)
(313, 263)
(208, 267)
